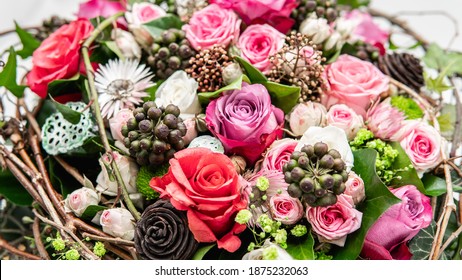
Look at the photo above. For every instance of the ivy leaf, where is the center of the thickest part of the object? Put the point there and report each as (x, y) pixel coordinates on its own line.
(436, 186)
(200, 253)
(29, 43)
(283, 96)
(204, 97)
(255, 75)
(421, 245)
(8, 75)
(301, 248)
(159, 25)
(438, 84)
(447, 63)
(409, 177)
(378, 200)
(91, 211)
(70, 115)
(58, 86)
(12, 190)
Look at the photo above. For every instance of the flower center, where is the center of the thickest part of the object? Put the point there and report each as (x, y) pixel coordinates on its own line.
(120, 88)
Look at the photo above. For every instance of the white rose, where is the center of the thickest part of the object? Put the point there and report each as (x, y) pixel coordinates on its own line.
(334, 137)
(126, 43)
(317, 28)
(231, 73)
(258, 254)
(118, 222)
(80, 199)
(181, 91)
(305, 115)
(128, 169)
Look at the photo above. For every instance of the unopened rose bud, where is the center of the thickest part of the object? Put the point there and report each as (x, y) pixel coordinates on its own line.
(316, 28)
(355, 187)
(80, 199)
(128, 169)
(126, 43)
(239, 163)
(118, 222)
(231, 73)
(306, 115)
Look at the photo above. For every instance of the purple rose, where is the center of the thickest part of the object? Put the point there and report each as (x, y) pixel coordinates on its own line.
(245, 121)
(387, 237)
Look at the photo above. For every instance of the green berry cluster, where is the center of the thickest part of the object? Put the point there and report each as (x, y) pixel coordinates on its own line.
(270, 229)
(316, 174)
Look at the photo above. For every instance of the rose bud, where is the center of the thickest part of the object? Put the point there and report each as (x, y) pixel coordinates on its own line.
(118, 222)
(384, 120)
(118, 121)
(317, 28)
(80, 199)
(162, 233)
(191, 131)
(355, 187)
(286, 209)
(306, 115)
(126, 43)
(231, 73)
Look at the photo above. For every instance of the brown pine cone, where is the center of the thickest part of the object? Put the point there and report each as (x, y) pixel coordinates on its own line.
(162, 233)
(403, 67)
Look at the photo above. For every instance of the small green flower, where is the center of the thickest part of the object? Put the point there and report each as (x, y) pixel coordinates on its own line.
(243, 216)
(262, 183)
(280, 237)
(99, 249)
(299, 230)
(251, 246)
(58, 243)
(270, 253)
(72, 254)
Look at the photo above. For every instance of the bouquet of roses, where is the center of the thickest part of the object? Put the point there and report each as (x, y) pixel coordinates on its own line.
(194, 129)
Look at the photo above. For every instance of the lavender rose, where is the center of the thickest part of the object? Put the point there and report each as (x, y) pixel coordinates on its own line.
(245, 121)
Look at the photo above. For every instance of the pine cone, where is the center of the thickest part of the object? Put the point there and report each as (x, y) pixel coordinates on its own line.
(403, 67)
(162, 233)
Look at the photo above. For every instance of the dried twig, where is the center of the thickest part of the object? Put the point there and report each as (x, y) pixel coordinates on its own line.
(13, 250)
(38, 240)
(117, 241)
(457, 136)
(70, 169)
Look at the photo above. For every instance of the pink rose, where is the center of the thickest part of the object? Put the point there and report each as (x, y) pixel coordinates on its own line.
(274, 12)
(80, 199)
(212, 25)
(355, 187)
(58, 57)
(366, 29)
(144, 13)
(387, 237)
(384, 120)
(306, 115)
(354, 82)
(118, 222)
(101, 8)
(245, 121)
(278, 154)
(344, 117)
(422, 143)
(333, 223)
(119, 120)
(285, 209)
(258, 42)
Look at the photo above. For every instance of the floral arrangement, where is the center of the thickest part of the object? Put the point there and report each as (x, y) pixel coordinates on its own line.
(194, 129)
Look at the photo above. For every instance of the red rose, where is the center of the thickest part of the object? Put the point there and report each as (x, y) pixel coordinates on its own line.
(58, 56)
(207, 186)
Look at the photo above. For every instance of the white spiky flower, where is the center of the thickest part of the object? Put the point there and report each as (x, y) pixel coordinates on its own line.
(121, 84)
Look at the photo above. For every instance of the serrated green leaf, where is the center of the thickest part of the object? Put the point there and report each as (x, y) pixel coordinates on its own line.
(91, 211)
(409, 177)
(159, 25)
(421, 245)
(12, 190)
(111, 45)
(255, 76)
(200, 253)
(8, 75)
(378, 200)
(301, 248)
(29, 43)
(70, 115)
(283, 96)
(204, 97)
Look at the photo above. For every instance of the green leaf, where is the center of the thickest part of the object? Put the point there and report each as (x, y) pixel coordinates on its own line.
(438, 84)
(56, 86)
(354, 3)
(283, 96)
(200, 253)
(436, 186)
(152, 91)
(447, 63)
(421, 245)
(111, 45)
(159, 25)
(29, 43)
(204, 97)
(70, 115)
(445, 122)
(8, 76)
(255, 76)
(301, 248)
(91, 211)
(12, 190)
(409, 177)
(408, 106)
(378, 200)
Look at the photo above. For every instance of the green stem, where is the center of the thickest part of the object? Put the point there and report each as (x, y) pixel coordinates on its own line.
(93, 95)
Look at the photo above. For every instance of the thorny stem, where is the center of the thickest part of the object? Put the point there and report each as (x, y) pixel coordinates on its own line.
(97, 111)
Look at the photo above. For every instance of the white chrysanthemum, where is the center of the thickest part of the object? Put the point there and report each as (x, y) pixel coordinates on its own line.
(121, 84)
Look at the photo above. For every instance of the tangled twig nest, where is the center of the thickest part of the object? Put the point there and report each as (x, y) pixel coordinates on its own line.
(299, 63)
